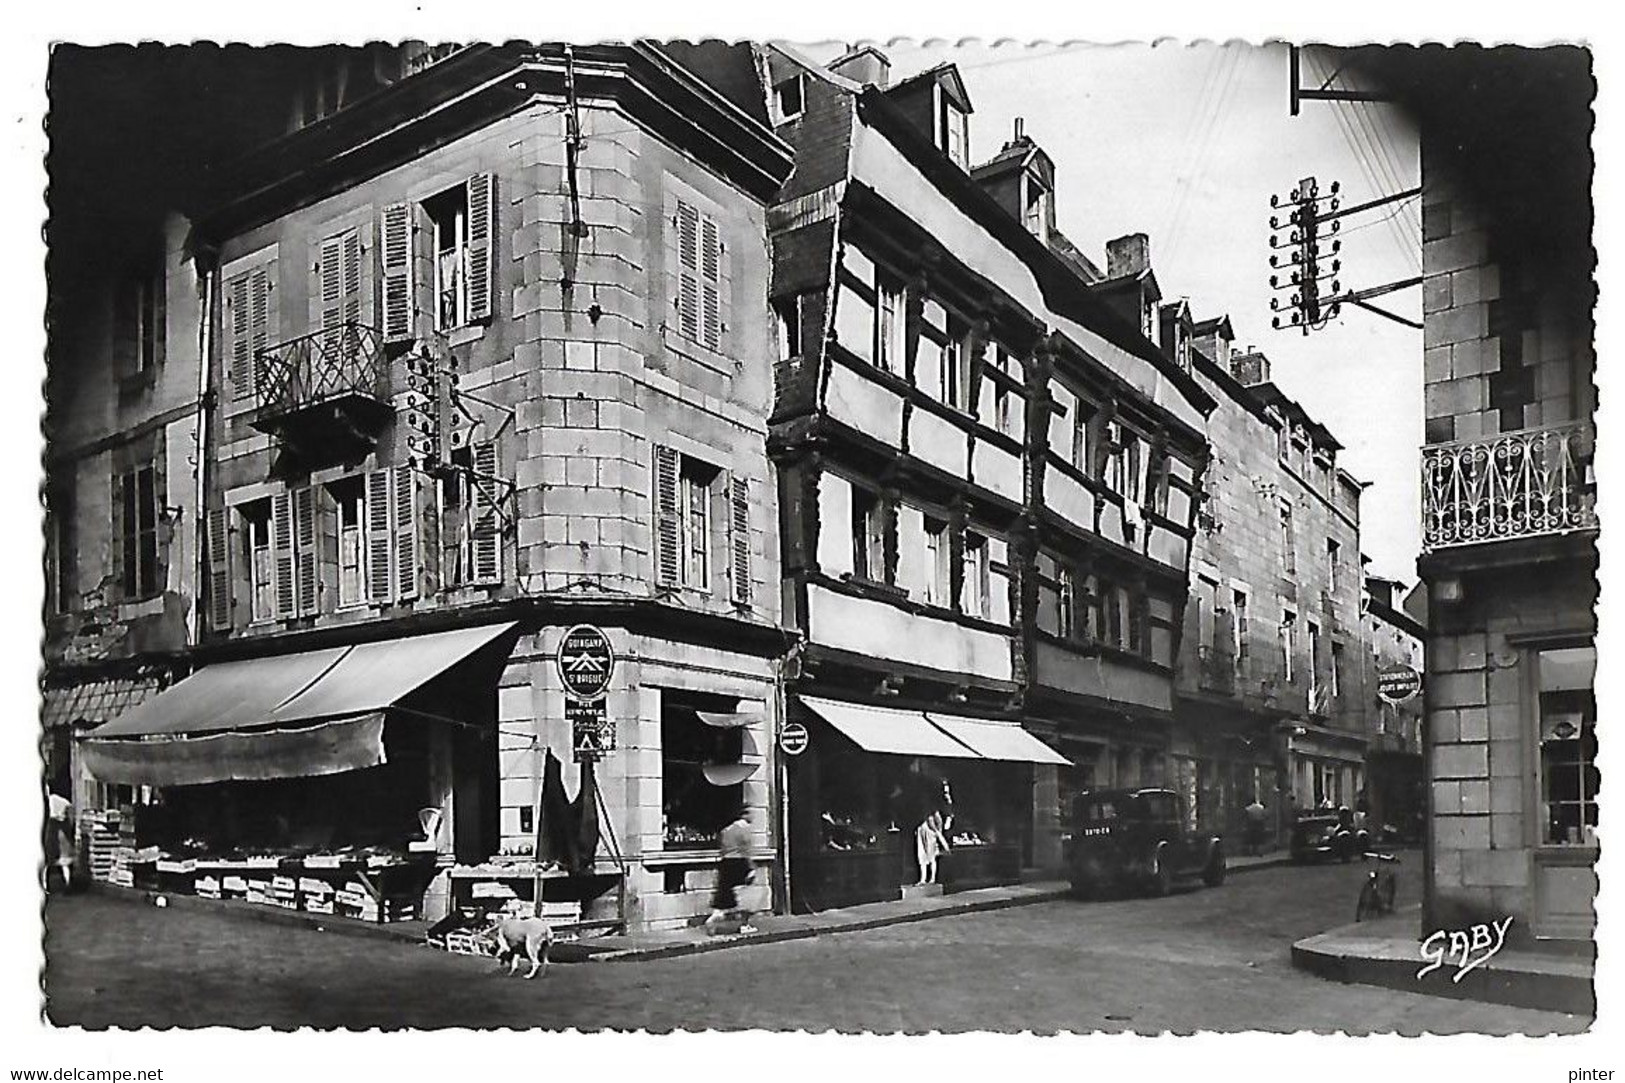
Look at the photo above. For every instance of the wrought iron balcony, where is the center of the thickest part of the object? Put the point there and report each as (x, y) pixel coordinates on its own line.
(1516, 485)
(325, 388)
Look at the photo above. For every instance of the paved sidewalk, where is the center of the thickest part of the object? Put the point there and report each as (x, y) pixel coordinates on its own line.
(770, 928)
(1388, 952)
(773, 928)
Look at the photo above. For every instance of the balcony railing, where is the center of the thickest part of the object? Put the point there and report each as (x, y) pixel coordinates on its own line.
(335, 363)
(1515, 485)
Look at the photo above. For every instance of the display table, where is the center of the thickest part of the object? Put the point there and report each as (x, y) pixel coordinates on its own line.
(374, 888)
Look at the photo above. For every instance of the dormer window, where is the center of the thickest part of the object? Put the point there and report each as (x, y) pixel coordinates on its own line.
(953, 132)
(788, 99)
(1035, 208)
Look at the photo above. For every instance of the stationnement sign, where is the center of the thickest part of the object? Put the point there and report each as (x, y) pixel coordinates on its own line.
(1396, 684)
(585, 660)
(793, 739)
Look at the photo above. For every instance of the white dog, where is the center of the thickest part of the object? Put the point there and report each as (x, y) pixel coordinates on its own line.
(522, 937)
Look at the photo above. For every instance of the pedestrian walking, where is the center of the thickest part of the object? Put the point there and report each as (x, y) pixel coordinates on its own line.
(61, 852)
(733, 872)
(1256, 819)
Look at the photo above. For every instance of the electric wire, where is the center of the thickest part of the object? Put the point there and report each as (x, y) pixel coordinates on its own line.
(1216, 123)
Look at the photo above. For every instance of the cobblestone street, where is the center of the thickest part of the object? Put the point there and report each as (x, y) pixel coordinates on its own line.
(1207, 959)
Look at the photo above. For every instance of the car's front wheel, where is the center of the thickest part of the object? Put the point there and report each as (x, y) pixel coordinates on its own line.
(1162, 877)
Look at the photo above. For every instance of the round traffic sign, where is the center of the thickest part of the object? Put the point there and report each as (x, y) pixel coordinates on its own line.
(585, 662)
(1396, 684)
(793, 739)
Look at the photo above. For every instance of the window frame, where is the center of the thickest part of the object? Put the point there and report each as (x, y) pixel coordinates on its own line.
(453, 204)
(259, 559)
(1585, 765)
(976, 557)
(1287, 636)
(776, 96)
(890, 323)
(141, 559)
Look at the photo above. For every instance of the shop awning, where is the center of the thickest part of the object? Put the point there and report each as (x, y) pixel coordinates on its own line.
(310, 713)
(998, 740)
(884, 729)
(92, 702)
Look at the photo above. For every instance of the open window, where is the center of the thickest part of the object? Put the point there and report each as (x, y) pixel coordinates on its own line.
(437, 260)
(789, 98)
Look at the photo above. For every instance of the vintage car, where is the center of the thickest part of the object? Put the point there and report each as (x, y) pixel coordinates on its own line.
(1328, 833)
(1137, 839)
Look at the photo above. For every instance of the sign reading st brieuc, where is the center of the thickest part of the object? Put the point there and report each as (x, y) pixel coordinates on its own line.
(586, 660)
(1396, 684)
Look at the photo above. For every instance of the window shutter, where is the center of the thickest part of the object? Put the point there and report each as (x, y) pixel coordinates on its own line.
(219, 541)
(159, 284)
(307, 569)
(688, 271)
(241, 355)
(400, 302)
(378, 540)
(481, 210)
(739, 527)
(259, 324)
(668, 531)
(126, 328)
(407, 555)
(120, 527)
(282, 554)
(487, 529)
(710, 285)
(330, 290)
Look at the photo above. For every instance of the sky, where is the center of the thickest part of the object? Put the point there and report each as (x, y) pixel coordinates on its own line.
(1186, 144)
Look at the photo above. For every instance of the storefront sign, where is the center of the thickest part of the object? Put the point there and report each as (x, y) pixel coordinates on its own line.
(1396, 684)
(585, 661)
(591, 734)
(793, 739)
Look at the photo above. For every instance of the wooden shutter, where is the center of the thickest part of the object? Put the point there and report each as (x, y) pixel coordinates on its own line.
(668, 533)
(484, 494)
(120, 527)
(378, 541)
(407, 551)
(219, 583)
(688, 271)
(710, 284)
(481, 212)
(307, 568)
(739, 537)
(282, 555)
(259, 323)
(330, 290)
(396, 260)
(241, 356)
(127, 328)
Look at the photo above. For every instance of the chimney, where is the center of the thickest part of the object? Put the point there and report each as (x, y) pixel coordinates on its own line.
(1128, 255)
(1017, 137)
(1215, 342)
(864, 65)
(1251, 368)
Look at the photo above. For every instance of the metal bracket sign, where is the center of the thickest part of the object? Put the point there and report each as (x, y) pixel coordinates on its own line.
(591, 735)
(1396, 684)
(585, 660)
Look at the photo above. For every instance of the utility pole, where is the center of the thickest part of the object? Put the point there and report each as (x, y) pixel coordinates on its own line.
(1305, 267)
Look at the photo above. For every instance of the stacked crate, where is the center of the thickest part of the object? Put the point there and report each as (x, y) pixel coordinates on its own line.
(101, 842)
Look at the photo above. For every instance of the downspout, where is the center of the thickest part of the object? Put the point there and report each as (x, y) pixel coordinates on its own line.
(201, 450)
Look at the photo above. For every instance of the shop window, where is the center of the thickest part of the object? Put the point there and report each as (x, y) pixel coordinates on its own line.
(938, 564)
(976, 590)
(137, 502)
(889, 324)
(698, 798)
(868, 536)
(1569, 778)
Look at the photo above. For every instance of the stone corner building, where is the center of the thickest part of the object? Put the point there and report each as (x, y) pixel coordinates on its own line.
(579, 234)
(1508, 486)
